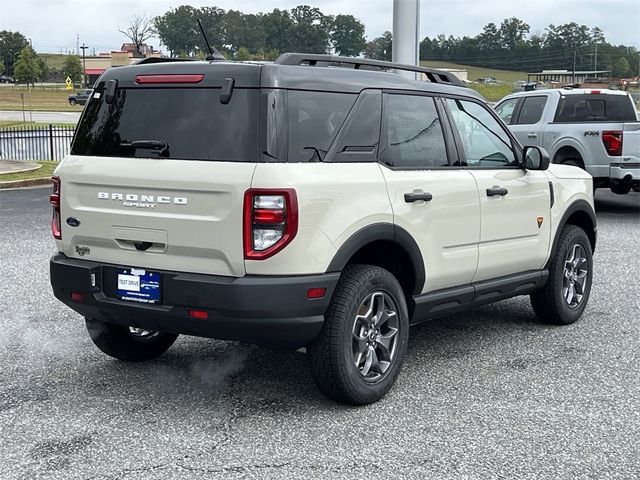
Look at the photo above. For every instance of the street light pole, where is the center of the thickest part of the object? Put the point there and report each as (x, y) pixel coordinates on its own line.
(84, 65)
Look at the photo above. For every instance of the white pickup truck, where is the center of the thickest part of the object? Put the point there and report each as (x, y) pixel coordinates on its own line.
(597, 130)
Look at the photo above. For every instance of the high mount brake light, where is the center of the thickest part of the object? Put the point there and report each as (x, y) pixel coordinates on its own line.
(169, 78)
(270, 221)
(613, 142)
(54, 199)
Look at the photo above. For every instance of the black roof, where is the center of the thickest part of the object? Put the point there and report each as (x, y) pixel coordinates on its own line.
(327, 74)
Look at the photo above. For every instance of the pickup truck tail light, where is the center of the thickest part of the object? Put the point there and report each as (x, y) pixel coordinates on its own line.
(270, 221)
(54, 199)
(612, 142)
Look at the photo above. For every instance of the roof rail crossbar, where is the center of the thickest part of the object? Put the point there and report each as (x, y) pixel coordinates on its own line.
(148, 60)
(320, 60)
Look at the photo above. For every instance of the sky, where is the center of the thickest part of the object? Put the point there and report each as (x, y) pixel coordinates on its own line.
(52, 26)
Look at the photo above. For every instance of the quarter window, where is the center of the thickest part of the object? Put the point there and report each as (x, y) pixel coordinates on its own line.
(485, 142)
(415, 133)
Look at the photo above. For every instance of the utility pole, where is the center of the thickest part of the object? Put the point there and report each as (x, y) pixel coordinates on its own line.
(77, 44)
(84, 66)
(573, 77)
(595, 59)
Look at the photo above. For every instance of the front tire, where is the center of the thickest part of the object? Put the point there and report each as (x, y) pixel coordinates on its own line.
(360, 349)
(128, 343)
(563, 299)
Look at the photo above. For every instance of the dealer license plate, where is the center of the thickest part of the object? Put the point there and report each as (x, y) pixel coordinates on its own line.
(138, 285)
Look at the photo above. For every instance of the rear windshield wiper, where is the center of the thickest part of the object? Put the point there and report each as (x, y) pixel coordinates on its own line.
(160, 145)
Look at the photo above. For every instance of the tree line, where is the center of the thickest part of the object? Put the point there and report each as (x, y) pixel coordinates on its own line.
(263, 36)
(511, 46)
(260, 36)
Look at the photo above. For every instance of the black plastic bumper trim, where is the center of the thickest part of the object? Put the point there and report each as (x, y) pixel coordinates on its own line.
(265, 310)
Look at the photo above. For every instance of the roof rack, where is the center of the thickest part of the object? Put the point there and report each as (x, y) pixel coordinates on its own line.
(148, 60)
(320, 60)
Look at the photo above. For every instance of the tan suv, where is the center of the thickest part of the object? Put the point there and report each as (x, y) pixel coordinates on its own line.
(317, 202)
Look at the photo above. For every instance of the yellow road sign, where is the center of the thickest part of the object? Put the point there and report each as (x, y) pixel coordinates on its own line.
(69, 83)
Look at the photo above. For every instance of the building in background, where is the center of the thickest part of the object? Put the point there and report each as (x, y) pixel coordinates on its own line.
(95, 66)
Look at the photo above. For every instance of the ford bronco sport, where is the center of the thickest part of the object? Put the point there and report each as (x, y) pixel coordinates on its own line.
(317, 202)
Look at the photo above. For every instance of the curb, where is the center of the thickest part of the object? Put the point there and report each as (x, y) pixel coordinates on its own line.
(25, 183)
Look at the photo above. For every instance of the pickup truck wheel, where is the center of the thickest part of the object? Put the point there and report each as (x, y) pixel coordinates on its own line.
(72, 101)
(360, 349)
(621, 189)
(574, 162)
(565, 296)
(129, 343)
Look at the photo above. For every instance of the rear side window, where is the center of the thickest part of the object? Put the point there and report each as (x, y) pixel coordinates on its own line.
(180, 123)
(314, 120)
(415, 133)
(595, 108)
(531, 111)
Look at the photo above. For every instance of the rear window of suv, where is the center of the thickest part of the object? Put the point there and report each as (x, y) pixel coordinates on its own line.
(179, 123)
(595, 108)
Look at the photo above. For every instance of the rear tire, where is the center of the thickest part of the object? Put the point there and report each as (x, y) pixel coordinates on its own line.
(72, 101)
(574, 162)
(563, 299)
(621, 189)
(358, 354)
(129, 344)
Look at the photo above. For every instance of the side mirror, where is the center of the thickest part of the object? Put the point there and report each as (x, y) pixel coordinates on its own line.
(535, 158)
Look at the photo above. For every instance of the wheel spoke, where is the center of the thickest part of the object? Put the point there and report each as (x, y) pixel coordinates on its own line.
(581, 279)
(368, 362)
(570, 294)
(384, 343)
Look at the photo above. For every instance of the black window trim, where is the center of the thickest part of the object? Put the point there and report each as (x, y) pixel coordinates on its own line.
(560, 122)
(515, 145)
(449, 141)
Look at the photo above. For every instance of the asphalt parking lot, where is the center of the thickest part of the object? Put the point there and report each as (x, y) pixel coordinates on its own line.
(489, 394)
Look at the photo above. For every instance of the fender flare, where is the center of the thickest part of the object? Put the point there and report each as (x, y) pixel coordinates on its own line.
(569, 142)
(376, 232)
(577, 206)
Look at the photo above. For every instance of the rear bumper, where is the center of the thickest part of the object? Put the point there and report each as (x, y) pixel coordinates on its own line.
(625, 173)
(265, 310)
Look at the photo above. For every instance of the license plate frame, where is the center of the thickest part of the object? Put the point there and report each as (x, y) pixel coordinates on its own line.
(138, 285)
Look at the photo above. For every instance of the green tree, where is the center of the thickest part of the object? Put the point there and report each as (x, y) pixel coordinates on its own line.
(620, 68)
(178, 30)
(11, 44)
(242, 55)
(347, 37)
(277, 27)
(512, 32)
(311, 30)
(1, 66)
(72, 68)
(380, 48)
(27, 69)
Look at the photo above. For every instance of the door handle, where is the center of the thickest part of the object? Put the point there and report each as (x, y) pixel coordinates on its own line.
(532, 135)
(417, 196)
(496, 191)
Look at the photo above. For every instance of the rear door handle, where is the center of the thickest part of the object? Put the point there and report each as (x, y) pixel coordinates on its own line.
(496, 191)
(417, 196)
(532, 135)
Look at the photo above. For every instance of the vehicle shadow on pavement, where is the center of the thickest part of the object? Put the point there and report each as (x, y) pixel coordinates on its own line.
(606, 202)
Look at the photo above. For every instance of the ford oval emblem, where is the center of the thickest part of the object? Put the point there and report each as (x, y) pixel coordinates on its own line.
(73, 222)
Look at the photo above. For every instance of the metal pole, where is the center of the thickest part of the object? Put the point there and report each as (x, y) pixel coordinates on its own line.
(24, 119)
(406, 34)
(573, 76)
(51, 141)
(595, 60)
(84, 66)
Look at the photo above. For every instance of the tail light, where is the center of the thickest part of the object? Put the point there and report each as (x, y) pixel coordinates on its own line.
(270, 221)
(612, 142)
(54, 199)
